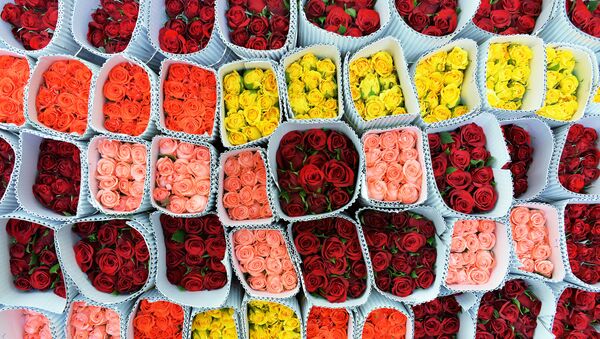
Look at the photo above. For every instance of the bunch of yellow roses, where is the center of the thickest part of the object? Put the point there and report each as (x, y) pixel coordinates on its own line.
(312, 87)
(251, 105)
(561, 85)
(268, 319)
(217, 323)
(375, 87)
(438, 81)
(507, 74)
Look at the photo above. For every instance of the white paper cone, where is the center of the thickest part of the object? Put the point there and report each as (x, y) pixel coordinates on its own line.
(122, 309)
(12, 321)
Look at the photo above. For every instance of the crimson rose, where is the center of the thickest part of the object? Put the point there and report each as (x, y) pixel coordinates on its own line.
(112, 25)
(258, 24)
(578, 166)
(189, 27)
(582, 229)
(435, 18)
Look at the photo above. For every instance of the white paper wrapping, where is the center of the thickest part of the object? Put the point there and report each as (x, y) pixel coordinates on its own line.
(154, 296)
(31, 62)
(8, 201)
(307, 307)
(234, 301)
(561, 29)
(292, 303)
(12, 321)
(377, 301)
(122, 309)
(558, 290)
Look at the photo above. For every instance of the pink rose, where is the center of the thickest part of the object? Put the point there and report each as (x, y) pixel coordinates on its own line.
(487, 240)
(478, 276)
(124, 152)
(371, 140)
(136, 189)
(244, 253)
(377, 189)
(469, 258)
(372, 155)
(123, 170)
(519, 215)
(274, 266)
(202, 153)
(184, 187)
(458, 244)
(243, 237)
(455, 260)
(389, 155)
(407, 139)
(231, 199)
(520, 232)
(259, 194)
(377, 171)
(256, 266)
(185, 150)
(239, 213)
(197, 203)
(177, 204)
(528, 264)
(452, 277)
(246, 159)
(108, 199)
(472, 242)
(107, 182)
(274, 284)
(165, 167)
(394, 172)
(389, 140)
(488, 226)
(537, 219)
(409, 193)
(524, 246)
(199, 169)
(537, 235)
(124, 186)
(541, 252)
(232, 184)
(544, 267)
(484, 260)
(167, 146)
(408, 154)
(261, 175)
(254, 212)
(391, 193)
(105, 167)
(180, 166)
(289, 278)
(160, 194)
(138, 172)
(258, 283)
(202, 187)
(412, 171)
(274, 238)
(248, 178)
(263, 249)
(245, 195)
(139, 154)
(108, 148)
(232, 167)
(265, 211)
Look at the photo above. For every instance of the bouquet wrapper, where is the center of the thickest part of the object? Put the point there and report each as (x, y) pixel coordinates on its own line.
(65, 239)
(29, 149)
(321, 51)
(197, 299)
(416, 43)
(470, 95)
(154, 296)
(122, 309)
(466, 300)
(269, 186)
(350, 302)
(234, 301)
(377, 301)
(310, 34)
(93, 157)
(12, 321)
(561, 29)
(411, 101)
(31, 62)
(291, 302)
(497, 147)
(273, 146)
(8, 201)
(557, 290)
(307, 306)
(160, 113)
(364, 192)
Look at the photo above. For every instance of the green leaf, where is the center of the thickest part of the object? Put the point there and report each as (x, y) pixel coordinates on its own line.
(342, 29)
(285, 195)
(431, 241)
(496, 314)
(55, 268)
(413, 275)
(451, 170)
(516, 302)
(477, 163)
(490, 162)
(446, 138)
(592, 5)
(178, 236)
(351, 12)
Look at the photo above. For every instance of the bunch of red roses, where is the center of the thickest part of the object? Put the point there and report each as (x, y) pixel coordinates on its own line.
(577, 314)
(508, 16)
(112, 25)
(195, 251)
(317, 171)
(332, 259)
(510, 312)
(189, 27)
(461, 168)
(59, 176)
(402, 250)
(258, 24)
(430, 17)
(114, 255)
(345, 17)
(33, 261)
(519, 146)
(578, 166)
(7, 162)
(33, 21)
(585, 15)
(437, 318)
(582, 229)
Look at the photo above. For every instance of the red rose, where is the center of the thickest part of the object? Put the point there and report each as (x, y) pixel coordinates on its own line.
(215, 247)
(332, 248)
(338, 173)
(367, 20)
(314, 279)
(177, 25)
(171, 41)
(509, 312)
(575, 183)
(357, 288)
(580, 14)
(318, 159)
(402, 286)
(17, 251)
(43, 193)
(380, 261)
(40, 278)
(214, 280)
(277, 40)
(306, 243)
(460, 159)
(461, 201)
(336, 290)
(353, 250)
(212, 225)
(193, 281)
(104, 283)
(289, 157)
(525, 24)
(337, 17)
(446, 20)
(383, 281)
(315, 9)
(11, 13)
(108, 261)
(459, 179)
(338, 267)
(482, 176)
(338, 198)
(435, 142)
(294, 207)
(259, 26)
(485, 197)
(291, 138)
(500, 18)
(439, 165)
(279, 24)
(194, 245)
(107, 235)
(47, 257)
(236, 17)
(195, 29)
(499, 326)
(240, 36)
(84, 253)
(317, 203)
(432, 326)
(311, 178)
(173, 7)
(21, 230)
(337, 141)
(315, 139)
(486, 24)
(412, 242)
(277, 7)
(418, 20)
(472, 135)
(531, 7)
(405, 7)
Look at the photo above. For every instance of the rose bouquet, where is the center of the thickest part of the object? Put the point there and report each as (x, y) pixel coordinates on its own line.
(89, 320)
(7, 164)
(403, 251)
(181, 175)
(576, 314)
(504, 59)
(36, 325)
(382, 322)
(435, 18)
(263, 263)
(582, 240)
(33, 23)
(578, 165)
(189, 26)
(251, 106)
(219, 323)
(333, 264)
(149, 314)
(584, 15)
(521, 151)
(531, 241)
(395, 166)
(508, 17)
(328, 322)
(14, 74)
(437, 318)
(195, 257)
(268, 319)
(354, 19)
(112, 25)
(189, 99)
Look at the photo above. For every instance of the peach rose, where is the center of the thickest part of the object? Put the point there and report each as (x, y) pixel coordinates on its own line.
(258, 283)
(108, 199)
(160, 194)
(520, 231)
(377, 171)
(259, 194)
(274, 284)
(377, 189)
(371, 140)
(470, 226)
(136, 189)
(244, 253)
(472, 242)
(199, 169)
(197, 203)
(185, 150)
(389, 155)
(407, 139)
(274, 238)
(124, 186)
(487, 240)
(239, 213)
(261, 175)
(541, 252)
(124, 152)
(458, 244)
(138, 154)
(245, 195)
(256, 266)
(289, 279)
(243, 237)
(113, 327)
(184, 187)
(391, 193)
(123, 170)
(372, 155)
(202, 153)
(528, 265)
(105, 167)
(544, 267)
(452, 277)
(279, 252)
(537, 235)
(258, 160)
(487, 226)
(409, 193)
(537, 219)
(468, 258)
(107, 182)
(261, 235)
(524, 246)
(393, 172)
(455, 260)
(263, 249)
(408, 154)
(167, 146)
(202, 187)
(273, 266)
(108, 148)
(180, 166)
(246, 159)
(138, 172)
(484, 260)
(412, 171)
(231, 199)
(254, 212)
(519, 215)
(132, 203)
(232, 167)
(265, 212)
(389, 140)
(478, 276)
(248, 178)
(177, 204)
(165, 166)
(462, 276)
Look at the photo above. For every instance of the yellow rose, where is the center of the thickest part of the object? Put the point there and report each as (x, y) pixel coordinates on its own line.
(450, 95)
(232, 83)
(309, 62)
(505, 73)
(558, 112)
(272, 115)
(521, 54)
(392, 98)
(266, 101)
(453, 77)
(369, 86)
(353, 78)
(441, 113)
(503, 92)
(355, 93)
(235, 122)
(566, 60)
(430, 119)
(328, 88)
(421, 86)
(331, 104)
(382, 63)
(237, 138)
(251, 132)
(498, 51)
(315, 97)
(360, 107)
(511, 105)
(399, 110)
(551, 54)
(293, 72)
(458, 58)
(269, 84)
(521, 74)
(247, 98)
(267, 127)
(311, 79)
(296, 87)
(432, 100)
(389, 81)
(552, 96)
(326, 67)
(597, 96)
(492, 98)
(518, 91)
(256, 316)
(253, 78)
(316, 113)
(569, 84)
(252, 115)
(299, 104)
(374, 108)
(231, 102)
(330, 113)
(437, 62)
(459, 111)
(292, 324)
(361, 67)
(436, 82)
(553, 78)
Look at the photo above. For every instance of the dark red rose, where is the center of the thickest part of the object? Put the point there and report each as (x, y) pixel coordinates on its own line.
(193, 281)
(411, 242)
(439, 165)
(289, 157)
(47, 257)
(83, 255)
(338, 17)
(40, 278)
(459, 179)
(460, 159)
(256, 6)
(575, 133)
(500, 18)
(279, 23)
(104, 283)
(353, 250)
(531, 7)
(336, 290)
(525, 24)
(338, 173)
(21, 230)
(317, 203)
(402, 286)
(381, 261)
(259, 26)
(405, 7)
(108, 261)
(214, 280)
(171, 41)
(425, 278)
(215, 247)
(435, 142)
(432, 326)
(357, 288)
(472, 135)
(107, 235)
(212, 225)
(418, 20)
(314, 279)
(367, 20)
(307, 243)
(509, 312)
(194, 245)
(315, 139)
(485, 197)
(277, 40)
(17, 251)
(240, 36)
(294, 207)
(338, 198)
(580, 14)
(43, 193)
(173, 7)
(291, 138)
(333, 248)
(461, 201)
(315, 9)
(311, 178)
(575, 183)
(446, 20)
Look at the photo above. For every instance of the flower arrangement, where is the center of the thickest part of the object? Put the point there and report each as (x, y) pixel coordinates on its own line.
(32, 23)
(584, 15)
(150, 314)
(508, 17)
(351, 18)
(14, 74)
(112, 25)
(530, 240)
(219, 323)
(507, 71)
(327, 322)
(578, 165)
(438, 317)
(435, 18)
(574, 314)
(93, 321)
(258, 25)
(267, 319)
(519, 146)
(383, 321)
(7, 164)
(189, 27)
(561, 85)
(582, 241)
(35, 325)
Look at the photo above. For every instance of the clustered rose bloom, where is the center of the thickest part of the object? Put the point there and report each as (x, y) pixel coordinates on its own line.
(585, 15)
(582, 229)
(35, 325)
(518, 142)
(530, 240)
(33, 261)
(437, 318)
(33, 21)
(62, 99)
(14, 74)
(190, 99)
(114, 255)
(150, 314)
(327, 322)
(508, 16)
(430, 17)
(182, 182)
(402, 250)
(471, 258)
(354, 18)
(88, 321)
(112, 25)
(332, 260)
(189, 27)
(382, 322)
(461, 169)
(127, 94)
(7, 163)
(120, 174)
(195, 252)
(258, 24)
(578, 167)
(245, 194)
(59, 176)
(577, 314)
(510, 312)
(317, 171)
(264, 260)
(394, 167)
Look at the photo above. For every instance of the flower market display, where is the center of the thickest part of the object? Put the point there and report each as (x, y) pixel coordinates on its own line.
(299, 169)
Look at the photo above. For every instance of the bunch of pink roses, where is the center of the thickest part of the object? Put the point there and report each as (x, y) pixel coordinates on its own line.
(87, 321)
(36, 325)
(182, 182)
(471, 259)
(264, 259)
(120, 173)
(394, 167)
(530, 239)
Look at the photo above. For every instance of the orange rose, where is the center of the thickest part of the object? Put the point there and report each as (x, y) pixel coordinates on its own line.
(113, 91)
(178, 72)
(119, 75)
(14, 74)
